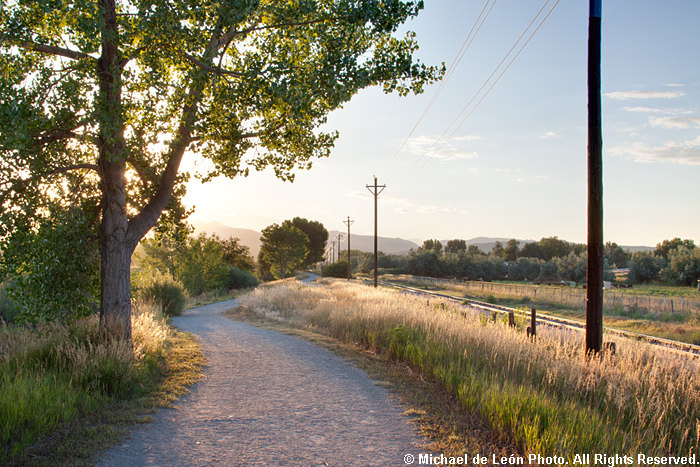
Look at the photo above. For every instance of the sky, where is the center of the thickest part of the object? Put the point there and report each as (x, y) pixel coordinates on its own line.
(517, 165)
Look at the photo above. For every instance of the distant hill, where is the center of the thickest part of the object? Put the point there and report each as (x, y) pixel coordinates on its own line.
(249, 238)
(392, 246)
(637, 248)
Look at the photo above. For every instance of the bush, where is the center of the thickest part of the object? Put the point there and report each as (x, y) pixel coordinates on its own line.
(159, 288)
(240, 279)
(54, 267)
(337, 269)
(8, 307)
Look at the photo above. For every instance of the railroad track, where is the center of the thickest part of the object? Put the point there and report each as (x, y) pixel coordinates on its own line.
(555, 321)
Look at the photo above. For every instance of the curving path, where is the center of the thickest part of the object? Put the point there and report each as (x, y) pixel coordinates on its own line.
(270, 399)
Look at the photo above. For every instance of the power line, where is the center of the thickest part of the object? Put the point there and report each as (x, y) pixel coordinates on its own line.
(455, 61)
(348, 223)
(375, 190)
(442, 140)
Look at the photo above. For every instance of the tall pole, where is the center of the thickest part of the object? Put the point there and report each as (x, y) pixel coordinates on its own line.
(339, 239)
(348, 223)
(375, 190)
(594, 287)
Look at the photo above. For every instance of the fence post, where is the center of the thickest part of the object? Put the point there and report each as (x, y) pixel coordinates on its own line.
(511, 319)
(532, 329)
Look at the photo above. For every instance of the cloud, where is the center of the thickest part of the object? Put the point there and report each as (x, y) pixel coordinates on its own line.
(656, 110)
(684, 153)
(433, 146)
(674, 85)
(674, 122)
(650, 110)
(637, 94)
(550, 135)
(406, 206)
(466, 138)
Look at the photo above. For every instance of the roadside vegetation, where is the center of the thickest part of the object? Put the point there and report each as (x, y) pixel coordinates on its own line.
(673, 262)
(623, 310)
(68, 390)
(546, 397)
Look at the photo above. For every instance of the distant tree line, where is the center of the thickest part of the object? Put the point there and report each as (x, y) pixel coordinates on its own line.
(547, 260)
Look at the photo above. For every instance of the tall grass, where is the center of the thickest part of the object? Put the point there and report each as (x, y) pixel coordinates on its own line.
(53, 372)
(547, 396)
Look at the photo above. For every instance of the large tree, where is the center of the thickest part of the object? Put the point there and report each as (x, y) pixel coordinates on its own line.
(100, 99)
(318, 236)
(284, 247)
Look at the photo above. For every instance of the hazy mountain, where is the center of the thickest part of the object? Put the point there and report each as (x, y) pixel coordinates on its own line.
(393, 246)
(396, 246)
(249, 238)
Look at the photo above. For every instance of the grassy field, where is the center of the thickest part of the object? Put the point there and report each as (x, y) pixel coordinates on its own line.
(683, 326)
(547, 397)
(66, 391)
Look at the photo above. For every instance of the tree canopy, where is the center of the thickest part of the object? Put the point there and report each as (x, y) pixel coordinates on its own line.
(99, 100)
(284, 247)
(317, 235)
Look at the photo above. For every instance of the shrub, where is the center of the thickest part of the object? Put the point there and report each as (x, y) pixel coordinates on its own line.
(8, 307)
(153, 286)
(337, 269)
(240, 279)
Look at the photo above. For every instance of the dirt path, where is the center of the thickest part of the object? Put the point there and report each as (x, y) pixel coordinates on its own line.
(270, 399)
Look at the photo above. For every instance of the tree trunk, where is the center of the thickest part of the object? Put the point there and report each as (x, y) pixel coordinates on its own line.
(115, 251)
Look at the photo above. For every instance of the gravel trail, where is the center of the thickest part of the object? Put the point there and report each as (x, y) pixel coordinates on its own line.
(270, 399)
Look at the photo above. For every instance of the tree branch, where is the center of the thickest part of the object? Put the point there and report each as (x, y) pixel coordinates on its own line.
(232, 32)
(140, 170)
(254, 134)
(211, 69)
(54, 50)
(68, 168)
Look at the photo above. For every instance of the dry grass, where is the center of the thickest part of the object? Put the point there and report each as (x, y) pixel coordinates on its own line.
(59, 383)
(547, 397)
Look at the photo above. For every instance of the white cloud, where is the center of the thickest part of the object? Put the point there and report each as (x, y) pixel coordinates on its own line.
(550, 135)
(656, 110)
(650, 110)
(637, 94)
(466, 138)
(685, 153)
(674, 122)
(674, 85)
(433, 146)
(406, 206)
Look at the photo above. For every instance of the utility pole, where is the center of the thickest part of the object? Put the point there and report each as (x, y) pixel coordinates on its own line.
(348, 223)
(333, 251)
(594, 286)
(340, 237)
(375, 190)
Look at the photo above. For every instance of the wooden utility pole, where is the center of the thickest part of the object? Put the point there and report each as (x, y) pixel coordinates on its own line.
(594, 287)
(375, 190)
(348, 223)
(340, 237)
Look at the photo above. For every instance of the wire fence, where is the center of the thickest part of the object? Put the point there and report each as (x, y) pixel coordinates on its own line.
(573, 296)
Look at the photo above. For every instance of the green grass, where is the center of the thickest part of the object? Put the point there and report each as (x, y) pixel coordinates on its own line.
(68, 391)
(681, 326)
(546, 397)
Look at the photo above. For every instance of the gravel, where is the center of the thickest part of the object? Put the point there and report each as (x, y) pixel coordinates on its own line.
(270, 399)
